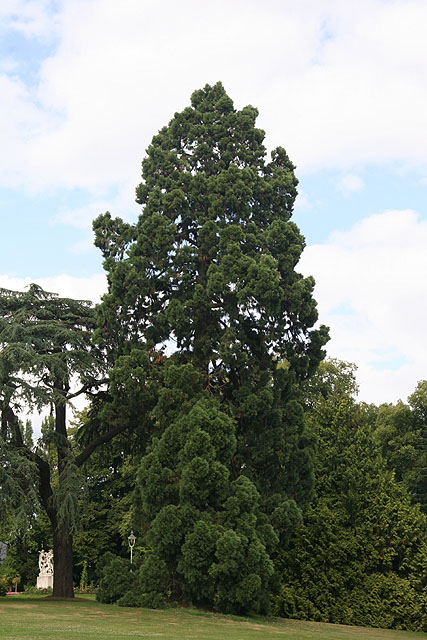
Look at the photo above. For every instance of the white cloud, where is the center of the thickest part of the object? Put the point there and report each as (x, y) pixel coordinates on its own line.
(119, 204)
(338, 84)
(90, 288)
(23, 118)
(20, 120)
(33, 18)
(378, 267)
(350, 183)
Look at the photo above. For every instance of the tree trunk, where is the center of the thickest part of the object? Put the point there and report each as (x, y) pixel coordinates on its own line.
(63, 563)
(62, 538)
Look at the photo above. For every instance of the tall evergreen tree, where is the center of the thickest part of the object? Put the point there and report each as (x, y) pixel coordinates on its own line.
(360, 554)
(46, 344)
(210, 269)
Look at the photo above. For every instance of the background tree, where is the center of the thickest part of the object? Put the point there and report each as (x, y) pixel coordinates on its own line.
(45, 345)
(210, 268)
(106, 508)
(360, 554)
(401, 433)
(418, 404)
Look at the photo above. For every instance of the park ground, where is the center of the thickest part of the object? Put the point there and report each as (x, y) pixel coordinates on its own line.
(40, 618)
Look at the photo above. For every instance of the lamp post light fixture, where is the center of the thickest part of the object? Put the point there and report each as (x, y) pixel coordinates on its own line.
(131, 540)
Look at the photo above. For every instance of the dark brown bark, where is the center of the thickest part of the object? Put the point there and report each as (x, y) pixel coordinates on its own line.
(63, 563)
(10, 419)
(106, 437)
(62, 538)
(3, 431)
(45, 487)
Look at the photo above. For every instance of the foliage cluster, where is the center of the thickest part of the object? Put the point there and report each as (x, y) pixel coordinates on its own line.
(360, 554)
(116, 578)
(207, 543)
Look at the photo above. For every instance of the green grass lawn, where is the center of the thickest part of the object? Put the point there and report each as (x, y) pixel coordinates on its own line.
(39, 618)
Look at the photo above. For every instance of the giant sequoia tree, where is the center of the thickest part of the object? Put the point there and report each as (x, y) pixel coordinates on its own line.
(207, 275)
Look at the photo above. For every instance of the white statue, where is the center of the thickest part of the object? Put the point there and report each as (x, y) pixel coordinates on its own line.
(46, 563)
(45, 578)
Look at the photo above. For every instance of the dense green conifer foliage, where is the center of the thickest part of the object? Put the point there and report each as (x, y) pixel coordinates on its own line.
(208, 273)
(360, 554)
(401, 433)
(204, 531)
(45, 341)
(116, 578)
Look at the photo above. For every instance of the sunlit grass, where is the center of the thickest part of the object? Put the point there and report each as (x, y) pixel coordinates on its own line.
(40, 618)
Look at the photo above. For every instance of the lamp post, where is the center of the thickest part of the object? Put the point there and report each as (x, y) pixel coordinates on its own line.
(131, 540)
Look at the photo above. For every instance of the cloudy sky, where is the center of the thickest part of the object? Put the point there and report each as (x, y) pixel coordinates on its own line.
(85, 84)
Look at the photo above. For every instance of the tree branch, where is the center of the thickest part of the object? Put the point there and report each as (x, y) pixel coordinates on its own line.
(106, 437)
(86, 389)
(45, 488)
(13, 423)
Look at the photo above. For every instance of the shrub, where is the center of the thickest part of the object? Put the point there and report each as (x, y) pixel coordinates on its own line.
(116, 578)
(387, 600)
(33, 589)
(152, 600)
(153, 574)
(84, 578)
(130, 599)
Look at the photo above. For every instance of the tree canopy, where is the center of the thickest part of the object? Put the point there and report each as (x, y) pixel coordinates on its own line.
(356, 559)
(45, 343)
(207, 277)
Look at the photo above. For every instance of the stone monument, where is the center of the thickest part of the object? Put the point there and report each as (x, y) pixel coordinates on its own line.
(45, 578)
